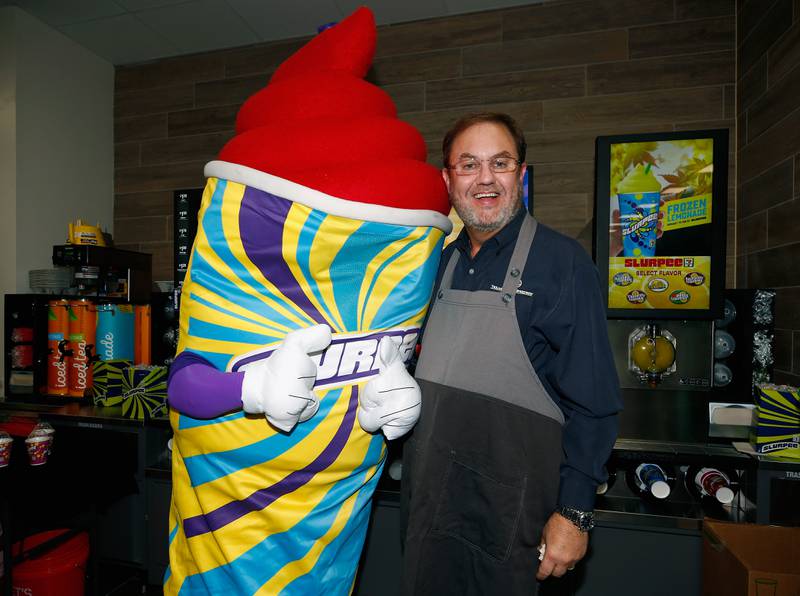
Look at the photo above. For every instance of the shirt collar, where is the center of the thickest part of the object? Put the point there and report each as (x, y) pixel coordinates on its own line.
(497, 242)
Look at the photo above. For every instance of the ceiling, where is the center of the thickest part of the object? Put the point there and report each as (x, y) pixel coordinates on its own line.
(130, 31)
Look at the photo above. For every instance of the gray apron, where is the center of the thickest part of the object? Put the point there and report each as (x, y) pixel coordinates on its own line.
(481, 470)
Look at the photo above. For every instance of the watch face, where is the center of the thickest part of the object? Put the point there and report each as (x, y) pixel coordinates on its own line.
(584, 520)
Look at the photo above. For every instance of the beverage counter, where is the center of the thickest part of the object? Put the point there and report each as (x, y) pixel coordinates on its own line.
(634, 530)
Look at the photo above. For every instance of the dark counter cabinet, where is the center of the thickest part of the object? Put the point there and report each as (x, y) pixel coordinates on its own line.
(94, 479)
(122, 469)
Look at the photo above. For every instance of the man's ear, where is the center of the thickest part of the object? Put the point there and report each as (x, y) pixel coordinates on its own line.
(446, 178)
(522, 168)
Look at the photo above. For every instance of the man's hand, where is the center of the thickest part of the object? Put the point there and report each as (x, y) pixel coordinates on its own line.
(392, 400)
(281, 387)
(565, 545)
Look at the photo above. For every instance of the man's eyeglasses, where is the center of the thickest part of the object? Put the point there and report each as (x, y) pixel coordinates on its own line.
(470, 166)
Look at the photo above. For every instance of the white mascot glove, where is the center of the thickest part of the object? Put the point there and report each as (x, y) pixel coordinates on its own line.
(281, 387)
(392, 400)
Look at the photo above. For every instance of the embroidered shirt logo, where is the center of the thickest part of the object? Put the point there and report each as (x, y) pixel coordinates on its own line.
(495, 288)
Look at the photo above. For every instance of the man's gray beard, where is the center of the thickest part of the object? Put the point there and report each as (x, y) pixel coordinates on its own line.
(471, 221)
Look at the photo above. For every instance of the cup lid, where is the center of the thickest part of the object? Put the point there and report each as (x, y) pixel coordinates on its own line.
(724, 495)
(660, 489)
(41, 432)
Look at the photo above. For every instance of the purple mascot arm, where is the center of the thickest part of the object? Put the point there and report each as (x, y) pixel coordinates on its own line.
(198, 389)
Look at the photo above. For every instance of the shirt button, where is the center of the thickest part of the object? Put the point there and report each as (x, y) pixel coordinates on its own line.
(440, 294)
(471, 271)
(515, 273)
(506, 298)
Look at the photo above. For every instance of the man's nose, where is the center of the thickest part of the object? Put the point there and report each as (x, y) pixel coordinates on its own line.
(485, 174)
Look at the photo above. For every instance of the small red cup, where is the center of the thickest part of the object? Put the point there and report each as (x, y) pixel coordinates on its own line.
(20, 334)
(22, 356)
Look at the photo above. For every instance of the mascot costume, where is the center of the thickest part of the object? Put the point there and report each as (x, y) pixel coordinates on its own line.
(318, 241)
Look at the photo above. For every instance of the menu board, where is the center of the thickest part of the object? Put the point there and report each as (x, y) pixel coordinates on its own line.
(660, 223)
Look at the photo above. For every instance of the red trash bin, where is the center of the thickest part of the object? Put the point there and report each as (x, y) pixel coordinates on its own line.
(59, 572)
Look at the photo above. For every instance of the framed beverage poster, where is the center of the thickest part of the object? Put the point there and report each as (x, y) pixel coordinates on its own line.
(661, 222)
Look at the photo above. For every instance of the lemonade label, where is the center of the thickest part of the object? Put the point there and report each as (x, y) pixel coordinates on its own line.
(685, 213)
(659, 282)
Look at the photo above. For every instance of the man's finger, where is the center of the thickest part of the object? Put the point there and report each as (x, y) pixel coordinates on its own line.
(545, 569)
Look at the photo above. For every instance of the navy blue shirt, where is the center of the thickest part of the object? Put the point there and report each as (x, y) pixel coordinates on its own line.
(563, 325)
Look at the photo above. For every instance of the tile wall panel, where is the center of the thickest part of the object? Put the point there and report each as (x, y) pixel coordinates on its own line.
(566, 70)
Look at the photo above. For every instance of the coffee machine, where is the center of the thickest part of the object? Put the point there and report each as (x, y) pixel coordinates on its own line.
(102, 276)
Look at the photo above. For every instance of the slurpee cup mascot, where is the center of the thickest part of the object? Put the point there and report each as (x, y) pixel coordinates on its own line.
(318, 242)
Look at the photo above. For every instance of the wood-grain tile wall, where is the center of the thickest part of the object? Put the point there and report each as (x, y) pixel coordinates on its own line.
(568, 70)
(768, 120)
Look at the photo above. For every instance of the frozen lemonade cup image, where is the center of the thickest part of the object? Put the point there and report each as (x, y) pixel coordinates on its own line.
(321, 212)
(639, 194)
(6, 443)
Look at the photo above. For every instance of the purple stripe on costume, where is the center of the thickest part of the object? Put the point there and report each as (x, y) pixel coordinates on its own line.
(230, 512)
(261, 220)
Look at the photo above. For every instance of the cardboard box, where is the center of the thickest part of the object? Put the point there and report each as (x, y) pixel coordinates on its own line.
(776, 421)
(750, 560)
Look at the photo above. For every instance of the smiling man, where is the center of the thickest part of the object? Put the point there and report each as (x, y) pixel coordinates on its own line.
(520, 394)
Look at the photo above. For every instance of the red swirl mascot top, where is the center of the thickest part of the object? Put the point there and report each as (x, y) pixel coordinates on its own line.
(320, 124)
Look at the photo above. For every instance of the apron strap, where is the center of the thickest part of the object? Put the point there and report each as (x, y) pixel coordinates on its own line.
(518, 259)
(447, 276)
(513, 278)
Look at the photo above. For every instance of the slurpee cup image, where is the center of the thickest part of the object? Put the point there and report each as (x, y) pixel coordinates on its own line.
(58, 353)
(115, 332)
(639, 194)
(321, 211)
(82, 329)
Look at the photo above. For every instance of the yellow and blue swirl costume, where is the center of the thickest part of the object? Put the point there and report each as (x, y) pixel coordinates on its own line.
(255, 510)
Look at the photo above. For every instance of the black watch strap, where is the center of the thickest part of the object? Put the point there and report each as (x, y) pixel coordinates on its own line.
(583, 520)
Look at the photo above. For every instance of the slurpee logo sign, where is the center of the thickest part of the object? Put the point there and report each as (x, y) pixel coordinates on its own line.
(351, 358)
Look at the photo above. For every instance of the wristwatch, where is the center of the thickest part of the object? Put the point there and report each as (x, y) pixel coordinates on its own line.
(583, 520)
